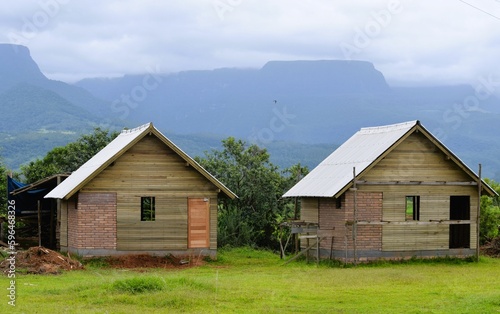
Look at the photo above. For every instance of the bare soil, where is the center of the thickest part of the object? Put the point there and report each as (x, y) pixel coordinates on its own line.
(40, 260)
(151, 261)
(492, 248)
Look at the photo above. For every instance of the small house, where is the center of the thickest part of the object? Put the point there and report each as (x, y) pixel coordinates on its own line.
(139, 194)
(391, 192)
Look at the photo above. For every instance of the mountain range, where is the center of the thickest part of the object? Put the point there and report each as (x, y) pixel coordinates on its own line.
(299, 110)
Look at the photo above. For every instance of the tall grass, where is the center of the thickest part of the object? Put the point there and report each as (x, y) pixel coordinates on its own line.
(251, 281)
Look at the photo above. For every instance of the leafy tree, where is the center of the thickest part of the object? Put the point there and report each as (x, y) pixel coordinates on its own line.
(490, 215)
(3, 189)
(253, 218)
(67, 158)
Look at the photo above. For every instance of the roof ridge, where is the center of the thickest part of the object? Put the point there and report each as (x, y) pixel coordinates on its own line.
(136, 129)
(389, 127)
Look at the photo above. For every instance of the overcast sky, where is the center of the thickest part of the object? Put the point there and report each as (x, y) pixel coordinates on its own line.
(427, 42)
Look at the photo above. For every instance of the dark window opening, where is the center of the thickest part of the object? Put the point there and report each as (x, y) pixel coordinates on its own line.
(459, 233)
(460, 207)
(412, 211)
(338, 202)
(148, 208)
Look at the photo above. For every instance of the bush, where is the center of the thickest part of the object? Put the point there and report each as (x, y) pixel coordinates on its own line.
(489, 226)
(490, 223)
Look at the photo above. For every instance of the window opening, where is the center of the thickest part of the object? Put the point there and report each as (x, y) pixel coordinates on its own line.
(412, 208)
(148, 208)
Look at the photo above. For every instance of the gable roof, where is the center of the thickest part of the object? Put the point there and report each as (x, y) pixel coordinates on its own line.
(334, 175)
(117, 147)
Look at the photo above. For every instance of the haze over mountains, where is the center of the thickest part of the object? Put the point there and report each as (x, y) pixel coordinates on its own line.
(299, 110)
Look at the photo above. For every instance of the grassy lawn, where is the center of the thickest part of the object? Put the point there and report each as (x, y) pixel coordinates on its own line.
(249, 281)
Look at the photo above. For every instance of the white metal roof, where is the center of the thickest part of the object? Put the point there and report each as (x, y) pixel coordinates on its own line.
(360, 151)
(111, 152)
(334, 174)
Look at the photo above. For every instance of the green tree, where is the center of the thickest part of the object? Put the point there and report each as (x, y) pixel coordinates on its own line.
(67, 158)
(3, 189)
(253, 218)
(490, 215)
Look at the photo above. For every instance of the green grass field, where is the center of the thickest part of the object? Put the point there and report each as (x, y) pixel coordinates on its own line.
(249, 281)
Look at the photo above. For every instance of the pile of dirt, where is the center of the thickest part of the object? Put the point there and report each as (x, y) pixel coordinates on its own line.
(151, 261)
(492, 248)
(40, 260)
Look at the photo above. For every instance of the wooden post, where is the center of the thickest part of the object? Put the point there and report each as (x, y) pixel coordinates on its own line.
(355, 224)
(39, 224)
(57, 231)
(478, 216)
(345, 242)
(52, 234)
(317, 250)
(295, 235)
(296, 213)
(307, 253)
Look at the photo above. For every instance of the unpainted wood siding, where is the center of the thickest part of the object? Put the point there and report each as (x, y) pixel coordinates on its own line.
(309, 209)
(152, 169)
(418, 159)
(66, 205)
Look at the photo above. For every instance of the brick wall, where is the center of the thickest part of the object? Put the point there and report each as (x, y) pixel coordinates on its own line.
(369, 208)
(92, 225)
(331, 224)
(332, 221)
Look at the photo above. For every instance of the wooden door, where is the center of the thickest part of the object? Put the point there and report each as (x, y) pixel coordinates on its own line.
(198, 223)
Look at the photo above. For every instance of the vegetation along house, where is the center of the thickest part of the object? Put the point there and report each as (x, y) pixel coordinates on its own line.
(139, 194)
(391, 192)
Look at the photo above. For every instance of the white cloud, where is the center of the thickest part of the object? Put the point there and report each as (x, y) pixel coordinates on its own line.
(420, 41)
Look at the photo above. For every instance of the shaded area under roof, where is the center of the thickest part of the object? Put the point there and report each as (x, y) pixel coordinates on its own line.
(26, 196)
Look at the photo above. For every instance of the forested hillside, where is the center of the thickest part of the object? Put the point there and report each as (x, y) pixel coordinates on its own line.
(299, 110)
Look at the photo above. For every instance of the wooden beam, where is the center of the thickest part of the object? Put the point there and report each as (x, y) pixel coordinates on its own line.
(355, 225)
(39, 223)
(304, 251)
(434, 183)
(478, 214)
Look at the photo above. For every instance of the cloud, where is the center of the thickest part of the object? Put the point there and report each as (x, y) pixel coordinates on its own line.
(421, 41)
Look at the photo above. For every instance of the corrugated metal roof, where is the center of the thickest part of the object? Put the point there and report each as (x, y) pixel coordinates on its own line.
(334, 174)
(360, 151)
(111, 152)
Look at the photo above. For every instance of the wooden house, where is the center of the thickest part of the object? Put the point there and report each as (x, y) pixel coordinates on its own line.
(139, 194)
(391, 192)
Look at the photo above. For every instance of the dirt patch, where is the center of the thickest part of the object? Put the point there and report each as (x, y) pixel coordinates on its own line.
(40, 260)
(151, 261)
(492, 248)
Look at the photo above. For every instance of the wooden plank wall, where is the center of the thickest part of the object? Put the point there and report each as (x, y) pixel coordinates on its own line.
(150, 168)
(63, 228)
(417, 159)
(309, 209)
(66, 205)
